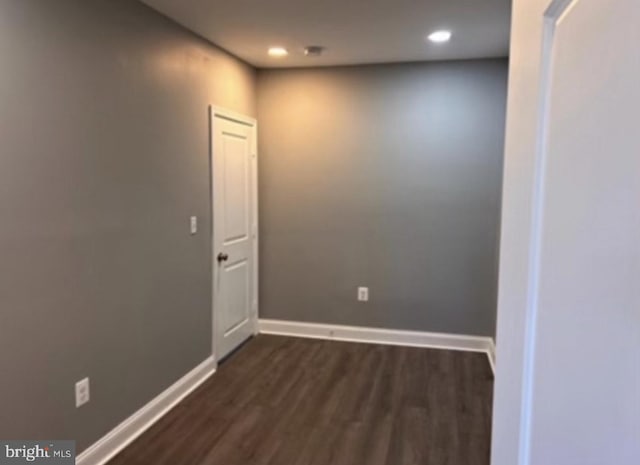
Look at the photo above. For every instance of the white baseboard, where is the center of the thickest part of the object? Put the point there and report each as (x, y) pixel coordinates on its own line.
(122, 435)
(380, 336)
(491, 353)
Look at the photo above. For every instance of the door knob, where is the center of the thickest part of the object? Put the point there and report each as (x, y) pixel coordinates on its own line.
(222, 257)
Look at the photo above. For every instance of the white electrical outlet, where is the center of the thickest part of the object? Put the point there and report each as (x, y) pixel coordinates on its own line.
(363, 294)
(193, 224)
(82, 392)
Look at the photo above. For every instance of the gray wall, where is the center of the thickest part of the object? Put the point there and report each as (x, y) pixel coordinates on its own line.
(103, 157)
(385, 176)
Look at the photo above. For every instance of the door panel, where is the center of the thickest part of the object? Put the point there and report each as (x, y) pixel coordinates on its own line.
(234, 244)
(236, 279)
(236, 186)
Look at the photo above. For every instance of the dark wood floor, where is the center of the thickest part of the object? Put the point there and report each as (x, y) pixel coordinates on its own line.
(289, 401)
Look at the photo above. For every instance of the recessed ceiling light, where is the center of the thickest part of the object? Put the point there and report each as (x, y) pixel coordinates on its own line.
(278, 52)
(440, 36)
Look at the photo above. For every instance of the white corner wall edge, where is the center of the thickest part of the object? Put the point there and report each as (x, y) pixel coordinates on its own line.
(381, 336)
(126, 432)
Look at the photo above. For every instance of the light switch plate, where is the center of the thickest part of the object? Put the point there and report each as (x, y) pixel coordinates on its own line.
(363, 294)
(193, 224)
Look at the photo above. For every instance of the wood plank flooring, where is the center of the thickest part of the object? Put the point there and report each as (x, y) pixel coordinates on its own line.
(290, 401)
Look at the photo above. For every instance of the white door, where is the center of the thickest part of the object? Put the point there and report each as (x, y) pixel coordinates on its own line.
(568, 366)
(234, 203)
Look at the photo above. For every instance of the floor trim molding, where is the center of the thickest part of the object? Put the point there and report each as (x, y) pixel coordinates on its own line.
(122, 435)
(381, 336)
(491, 353)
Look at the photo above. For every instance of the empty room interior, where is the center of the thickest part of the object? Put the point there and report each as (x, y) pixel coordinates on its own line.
(318, 233)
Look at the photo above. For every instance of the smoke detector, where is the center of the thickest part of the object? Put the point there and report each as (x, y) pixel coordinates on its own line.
(313, 50)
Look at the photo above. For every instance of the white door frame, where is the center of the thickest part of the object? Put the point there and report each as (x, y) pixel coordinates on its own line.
(533, 28)
(218, 112)
(523, 184)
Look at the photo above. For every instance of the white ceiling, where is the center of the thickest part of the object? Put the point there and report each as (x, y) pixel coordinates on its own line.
(353, 31)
